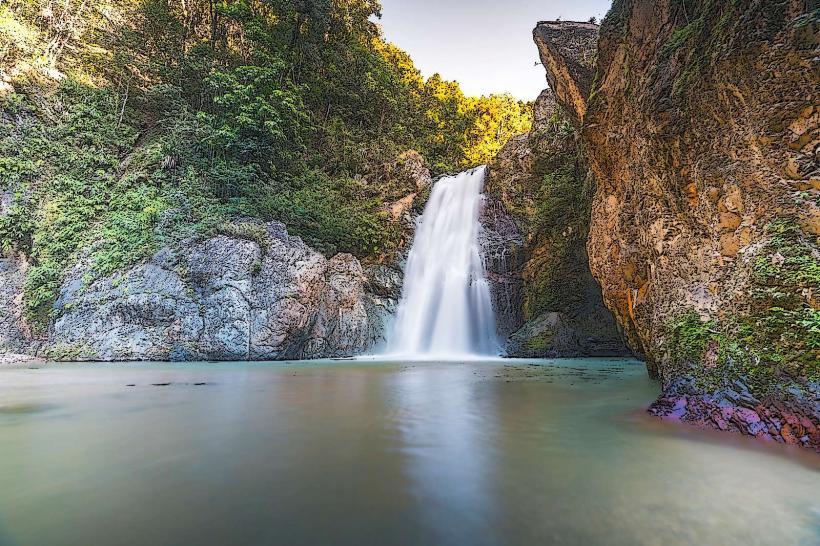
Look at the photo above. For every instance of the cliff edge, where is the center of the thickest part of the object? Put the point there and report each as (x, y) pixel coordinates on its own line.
(701, 125)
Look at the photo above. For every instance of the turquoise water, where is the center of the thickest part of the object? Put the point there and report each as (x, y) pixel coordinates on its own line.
(542, 452)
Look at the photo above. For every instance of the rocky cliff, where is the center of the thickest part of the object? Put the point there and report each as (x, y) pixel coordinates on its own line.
(536, 219)
(244, 290)
(256, 294)
(700, 123)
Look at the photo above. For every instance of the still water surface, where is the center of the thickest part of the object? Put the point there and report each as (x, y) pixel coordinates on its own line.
(352, 453)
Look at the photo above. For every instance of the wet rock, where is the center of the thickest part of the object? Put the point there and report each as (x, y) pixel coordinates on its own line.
(792, 420)
(502, 246)
(544, 296)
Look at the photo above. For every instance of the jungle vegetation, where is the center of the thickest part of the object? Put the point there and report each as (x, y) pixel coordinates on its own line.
(128, 124)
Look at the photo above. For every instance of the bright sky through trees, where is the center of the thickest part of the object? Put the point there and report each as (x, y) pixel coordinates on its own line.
(484, 44)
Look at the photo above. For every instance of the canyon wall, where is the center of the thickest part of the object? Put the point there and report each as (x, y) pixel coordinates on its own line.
(700, 122)
(536, 220)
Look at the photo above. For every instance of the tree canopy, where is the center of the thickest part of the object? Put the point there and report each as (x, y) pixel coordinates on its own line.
(119, 115)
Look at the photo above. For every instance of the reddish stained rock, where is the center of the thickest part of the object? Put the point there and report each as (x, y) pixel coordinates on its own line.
(791, 422)
(689, 169)
(747, 416)
(788, 435)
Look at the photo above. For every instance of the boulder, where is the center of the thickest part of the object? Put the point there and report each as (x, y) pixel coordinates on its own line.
(224, 298)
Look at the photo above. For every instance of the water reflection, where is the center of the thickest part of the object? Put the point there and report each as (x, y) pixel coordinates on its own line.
(390, 453)
(448, 438)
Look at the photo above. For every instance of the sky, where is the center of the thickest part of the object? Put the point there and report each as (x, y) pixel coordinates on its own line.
(484, 44)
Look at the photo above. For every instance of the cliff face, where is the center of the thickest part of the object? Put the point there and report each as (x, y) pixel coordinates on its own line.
(701, 126)
(258, 294)
(535, 220)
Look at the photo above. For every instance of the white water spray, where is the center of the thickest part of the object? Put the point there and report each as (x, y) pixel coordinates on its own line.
(445, 309)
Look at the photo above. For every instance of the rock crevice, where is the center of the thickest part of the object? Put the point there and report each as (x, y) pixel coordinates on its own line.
(535, 221)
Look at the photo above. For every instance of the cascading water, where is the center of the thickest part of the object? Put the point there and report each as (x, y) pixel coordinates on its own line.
(445, 309)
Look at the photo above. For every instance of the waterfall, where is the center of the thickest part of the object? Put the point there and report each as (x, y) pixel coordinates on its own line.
(445, 309)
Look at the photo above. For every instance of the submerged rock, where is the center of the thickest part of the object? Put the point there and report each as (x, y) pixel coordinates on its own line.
(793, 420)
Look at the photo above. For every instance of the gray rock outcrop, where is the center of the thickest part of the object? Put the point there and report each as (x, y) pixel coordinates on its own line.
(225, 298)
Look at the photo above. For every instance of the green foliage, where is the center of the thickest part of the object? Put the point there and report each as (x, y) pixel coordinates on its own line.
(557, 220)
(561, 200)
(16, 228)
(689, 336)
(255, 119)
(249, 230)
(682, 35)
(62, 173)
(173, 119)
(334, 215)
(126, 235)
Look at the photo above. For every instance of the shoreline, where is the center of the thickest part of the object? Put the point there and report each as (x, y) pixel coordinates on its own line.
(18, 359)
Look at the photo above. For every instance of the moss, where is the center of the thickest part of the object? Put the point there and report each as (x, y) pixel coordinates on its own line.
(714, 359)
(555, 276)
(708, 27)
(767, 353)
(687, 78)
(557, 218)
(595, 87)
(541, 343)
(688, 336)
(773, 340)
(250, 231)
(783, 321)
(617, 18)
(682, 35)
(789, 261)
(70, 352)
